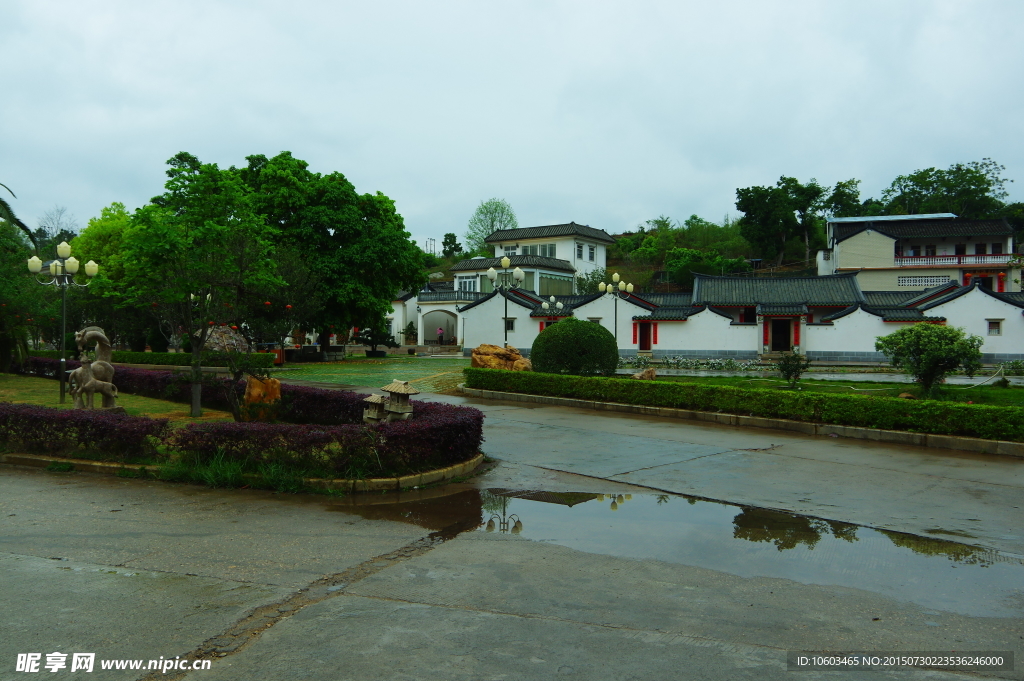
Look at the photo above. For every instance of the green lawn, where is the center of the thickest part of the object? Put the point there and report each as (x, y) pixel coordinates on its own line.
(424, 373)
(46, 392)
(1012, 396)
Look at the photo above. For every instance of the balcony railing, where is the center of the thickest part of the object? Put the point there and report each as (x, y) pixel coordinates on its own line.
(992, 259)
(449, 296)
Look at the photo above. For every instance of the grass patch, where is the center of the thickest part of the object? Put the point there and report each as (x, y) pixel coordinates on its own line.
(222, 472)
(999, 395)
(45, 392)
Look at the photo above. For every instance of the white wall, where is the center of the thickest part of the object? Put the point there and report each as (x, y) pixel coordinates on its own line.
(707, 334)
(971, 312)
(484, 323)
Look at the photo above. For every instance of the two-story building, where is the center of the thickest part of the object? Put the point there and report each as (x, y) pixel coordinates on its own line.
(914, 252)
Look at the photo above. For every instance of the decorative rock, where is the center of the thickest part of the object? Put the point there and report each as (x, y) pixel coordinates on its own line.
(488, 356)
(907, 396)
(258, 393)
(648, 374)
(226, 339)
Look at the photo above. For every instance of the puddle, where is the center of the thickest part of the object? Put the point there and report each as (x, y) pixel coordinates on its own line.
(748, 542)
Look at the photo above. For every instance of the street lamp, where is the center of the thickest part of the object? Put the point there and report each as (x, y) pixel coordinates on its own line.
(507, 284)
(62, 275)
(618, 289)
(504, 519)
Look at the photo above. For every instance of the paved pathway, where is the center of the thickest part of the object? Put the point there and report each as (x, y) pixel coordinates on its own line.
(308, 587)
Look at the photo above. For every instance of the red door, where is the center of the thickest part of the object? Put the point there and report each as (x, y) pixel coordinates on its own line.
(645, 335)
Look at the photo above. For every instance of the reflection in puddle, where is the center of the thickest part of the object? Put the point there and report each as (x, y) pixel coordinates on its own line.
(740, 540)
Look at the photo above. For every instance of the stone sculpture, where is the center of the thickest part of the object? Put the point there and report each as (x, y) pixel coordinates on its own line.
(495, 357)
(96, 376)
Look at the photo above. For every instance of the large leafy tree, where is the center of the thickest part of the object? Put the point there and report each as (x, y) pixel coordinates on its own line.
(356, 244)
(929, 352)
(450, 246)
(197, 250)
(21, 299)
(490, 216)
(970, 190)
(769, 219)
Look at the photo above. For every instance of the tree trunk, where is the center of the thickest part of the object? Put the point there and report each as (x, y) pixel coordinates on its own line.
(197, 381)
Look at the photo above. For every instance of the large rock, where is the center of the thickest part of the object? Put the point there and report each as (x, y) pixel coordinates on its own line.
(226, 339)
(262, 398)
(495, 357)
(648, 374)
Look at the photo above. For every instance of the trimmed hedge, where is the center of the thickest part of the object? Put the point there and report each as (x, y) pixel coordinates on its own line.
(888, 413)
(47, 430)
(440, 435)
(263, 360)
(326, 435)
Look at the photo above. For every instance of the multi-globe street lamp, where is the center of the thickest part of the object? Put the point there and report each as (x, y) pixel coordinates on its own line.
(617, 289)
(62, 275)
(507, 283)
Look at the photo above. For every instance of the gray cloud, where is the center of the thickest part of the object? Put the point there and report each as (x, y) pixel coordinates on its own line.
(602, 113)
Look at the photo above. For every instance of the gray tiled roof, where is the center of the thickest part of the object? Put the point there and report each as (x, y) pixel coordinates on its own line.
(781, 310)
(669, 299)
(908, 316)
(832, 290)
(888, 298)
(931, 293)
(538, 261)
(570, 229)
(910, 229)
(669, 314)
(569, 304)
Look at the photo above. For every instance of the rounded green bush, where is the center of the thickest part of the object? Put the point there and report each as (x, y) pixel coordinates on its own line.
(575, 347)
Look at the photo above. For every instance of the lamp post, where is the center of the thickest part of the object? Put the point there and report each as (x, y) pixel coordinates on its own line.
(617, 289)
(62, 275)
(507, 284)
(504, 519)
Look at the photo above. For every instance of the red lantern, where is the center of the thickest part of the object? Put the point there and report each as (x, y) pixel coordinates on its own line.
(211, 323)
(287, 307)
(267, 303)
(235, 328)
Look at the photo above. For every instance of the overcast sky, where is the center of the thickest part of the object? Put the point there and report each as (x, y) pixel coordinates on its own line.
(608, 114)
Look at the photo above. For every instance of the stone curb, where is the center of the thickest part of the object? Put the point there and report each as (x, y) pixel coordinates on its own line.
(967, 444)
(344, 485)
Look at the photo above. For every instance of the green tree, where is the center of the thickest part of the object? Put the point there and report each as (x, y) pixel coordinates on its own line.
(7, 215)
(807, 201)
(929, 352)
(450, 247)
(490, 216)
(588, 283)
(357, 244)
(769, 219)
(970, 190)
(198, 249)
(21, 299)
(682, 263)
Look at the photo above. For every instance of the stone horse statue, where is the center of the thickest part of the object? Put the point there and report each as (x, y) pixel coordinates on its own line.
(95, 376)
(85, 385)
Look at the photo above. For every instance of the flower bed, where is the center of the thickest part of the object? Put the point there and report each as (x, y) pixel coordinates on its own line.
(324, 435)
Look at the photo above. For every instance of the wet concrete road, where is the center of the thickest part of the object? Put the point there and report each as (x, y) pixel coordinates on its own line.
(656, 587)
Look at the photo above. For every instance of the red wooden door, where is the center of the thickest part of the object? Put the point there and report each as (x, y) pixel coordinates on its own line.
(645, 335)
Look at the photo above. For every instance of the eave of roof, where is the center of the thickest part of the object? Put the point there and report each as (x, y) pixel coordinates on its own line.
(535, 261)
(908, 229)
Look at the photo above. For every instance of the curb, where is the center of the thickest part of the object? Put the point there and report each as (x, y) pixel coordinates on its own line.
(967, 444)
(343, 484)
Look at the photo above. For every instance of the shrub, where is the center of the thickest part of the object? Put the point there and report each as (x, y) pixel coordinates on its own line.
(929, 352)
(929, 416)
(46, 430)
(575, 347)
(1013, 368)
(791, 366)
(439, 435)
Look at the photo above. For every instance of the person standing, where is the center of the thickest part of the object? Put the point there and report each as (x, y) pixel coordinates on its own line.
(440, 336)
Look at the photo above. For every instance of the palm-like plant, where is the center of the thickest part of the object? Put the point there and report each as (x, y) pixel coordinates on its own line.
(7, 214)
